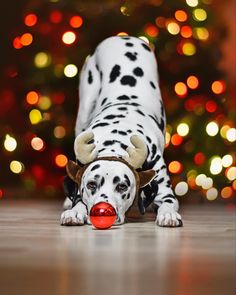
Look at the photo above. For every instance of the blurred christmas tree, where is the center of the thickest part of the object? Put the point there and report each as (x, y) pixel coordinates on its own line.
(39, 100)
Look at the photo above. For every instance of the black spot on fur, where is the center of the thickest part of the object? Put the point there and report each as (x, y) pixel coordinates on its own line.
(140, 112)
(123, 146)
(116, 122)
(102, 181)
(104, 101)
(123, 196)
(140, 131)
(134, 96)
(125, 38)
(153, 85)
(123, 97)
(110, 117)
(138, 72)
(154, 150)
(101, 150)
(128, 196)
(169, 196)
(90, 77)
(160, 180)
(109, 142)
(116, 179)
(169, 201)
(128, 80)
(129, 44)
(162, 109)
(163, 167)
(122, 109)
(100, 125)
(140, 126)
(122, 133)
(149, 139)
(127, 180)
(129, 131)
(131, 56)
(150, 191)
(100, 90)
(95, 167)
(145, 46)
(114, 131)
(115, 73)
(160, 125)
(168, 183)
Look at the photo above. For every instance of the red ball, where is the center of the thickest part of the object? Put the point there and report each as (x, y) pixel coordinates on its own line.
(102, 215)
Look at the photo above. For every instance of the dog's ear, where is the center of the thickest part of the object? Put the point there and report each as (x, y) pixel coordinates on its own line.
(72, 169)
(145, 177)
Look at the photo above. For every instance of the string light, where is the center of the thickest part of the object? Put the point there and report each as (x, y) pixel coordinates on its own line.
(10, 143)
(181, 188)
(69, 37)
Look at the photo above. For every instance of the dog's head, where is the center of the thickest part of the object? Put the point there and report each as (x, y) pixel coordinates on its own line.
(109, 179)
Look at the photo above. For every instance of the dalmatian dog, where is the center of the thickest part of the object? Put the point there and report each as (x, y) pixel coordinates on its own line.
(120, 136)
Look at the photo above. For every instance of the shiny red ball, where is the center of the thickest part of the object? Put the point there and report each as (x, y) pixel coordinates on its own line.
(102, 215)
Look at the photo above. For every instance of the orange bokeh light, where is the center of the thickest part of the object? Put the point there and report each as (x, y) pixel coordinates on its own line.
(192, 82)
(68, 37)
(181, 15)
(151, 30)
(175, 167)
(218, 87)
(30, 19)
(186, 32)
(76, 21)
(226, 192)
(26, 39)
(176, 139)
(61, 160)
(32, 97)
(181, 89)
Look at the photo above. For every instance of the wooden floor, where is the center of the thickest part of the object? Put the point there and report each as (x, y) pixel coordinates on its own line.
(40, 257)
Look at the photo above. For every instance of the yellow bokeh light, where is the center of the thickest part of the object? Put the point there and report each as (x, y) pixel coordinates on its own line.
(42, 60)
(35, 116)
(16, 167)
(10, 143)
(231, 134)
(192, 3)
(44, 103)
(227, 161)
(173, 28)
(224, 130)
(59, 132)
(181, 188)
(189, 49)
(216, 165)
(167, 139)
(183, 129)
(212, 128)
(231, 173)
(68, 37)
(122, 34)
(212, 194)
(199, 14)
(201, 33)
(145, 39)
(70, 71)
(124, 10)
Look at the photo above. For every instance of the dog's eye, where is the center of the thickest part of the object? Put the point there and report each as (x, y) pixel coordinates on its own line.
(92, 185)
(121, 187)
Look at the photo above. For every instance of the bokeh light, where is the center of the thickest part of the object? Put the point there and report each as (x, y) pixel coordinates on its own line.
(181, 188)
(192, 3)
(69, 37)
(201, 33)
(32, 97)
(212, 194)
(16, 167)
(216, 165)
(176, 139)
(199, 14)
(10, 143)
(26, 39)
(70, 71)
(231, 173)
(183, 129)
(231, 134)
(35, 116)
(218, 87)
(199, 158)
(212, 128)
(181, 89)
(175, 167)
(30, 19)
(173, 28)
(211, 106)
(37, 144)
(59, 132)
(61, 160)
(181, 15)
(189, 49)
(227, 160)
(151, 30)
(226, 192)
(192, 82)
(186, 31)
(44, 103)
(76, 21)
(42, 60)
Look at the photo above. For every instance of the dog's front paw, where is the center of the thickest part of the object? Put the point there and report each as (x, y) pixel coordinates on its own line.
(72, 217)
(168, 217)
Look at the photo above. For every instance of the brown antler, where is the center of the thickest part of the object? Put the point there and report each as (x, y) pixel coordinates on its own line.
(85, 152)
(138, 154)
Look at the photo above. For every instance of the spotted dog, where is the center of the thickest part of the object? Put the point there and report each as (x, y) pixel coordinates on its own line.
(120, 136)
